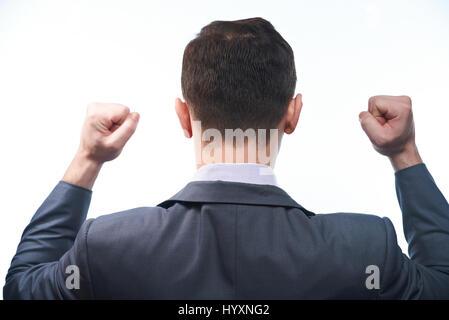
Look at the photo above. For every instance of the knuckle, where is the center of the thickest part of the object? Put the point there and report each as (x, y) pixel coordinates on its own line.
(406, 103)
(406, 99)
(363, 121)
(126, 109)
(372, 99)
(120, 107)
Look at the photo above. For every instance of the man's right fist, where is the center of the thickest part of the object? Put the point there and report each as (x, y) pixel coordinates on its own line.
(389, 124)
(107, 128)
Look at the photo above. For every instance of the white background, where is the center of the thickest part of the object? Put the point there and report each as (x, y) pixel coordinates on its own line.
(57, 56)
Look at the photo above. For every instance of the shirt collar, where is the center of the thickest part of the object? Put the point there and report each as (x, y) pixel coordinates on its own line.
(253, 173)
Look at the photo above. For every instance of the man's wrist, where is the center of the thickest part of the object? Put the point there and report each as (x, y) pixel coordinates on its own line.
(83, 171)
(406, 158)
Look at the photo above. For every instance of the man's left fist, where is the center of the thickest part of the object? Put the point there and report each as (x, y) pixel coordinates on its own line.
(107, 128)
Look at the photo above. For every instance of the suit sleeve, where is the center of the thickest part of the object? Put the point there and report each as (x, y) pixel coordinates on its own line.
(51, 260)
(425, 275)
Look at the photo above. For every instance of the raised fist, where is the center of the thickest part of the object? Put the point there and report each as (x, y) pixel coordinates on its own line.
(389, 124)
(107, 128)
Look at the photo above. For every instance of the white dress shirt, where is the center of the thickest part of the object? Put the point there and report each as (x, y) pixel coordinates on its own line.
(254, 173)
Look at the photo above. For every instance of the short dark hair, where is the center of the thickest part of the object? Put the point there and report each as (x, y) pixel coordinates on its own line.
(238, 74)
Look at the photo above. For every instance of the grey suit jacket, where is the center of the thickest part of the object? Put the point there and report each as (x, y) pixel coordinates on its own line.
(228, 240)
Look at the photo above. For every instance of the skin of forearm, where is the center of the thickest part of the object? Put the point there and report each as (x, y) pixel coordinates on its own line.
(82, 171)
(407, 158)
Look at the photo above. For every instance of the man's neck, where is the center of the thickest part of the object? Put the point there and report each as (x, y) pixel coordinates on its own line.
(259, 146)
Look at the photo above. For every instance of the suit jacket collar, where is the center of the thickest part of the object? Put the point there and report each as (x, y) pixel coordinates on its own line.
(234, 193)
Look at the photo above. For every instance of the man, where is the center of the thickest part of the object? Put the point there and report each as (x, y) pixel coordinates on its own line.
(231, 233)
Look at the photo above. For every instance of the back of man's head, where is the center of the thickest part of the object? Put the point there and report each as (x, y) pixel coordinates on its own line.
(238, 74)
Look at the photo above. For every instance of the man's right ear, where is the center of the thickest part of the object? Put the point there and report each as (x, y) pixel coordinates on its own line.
(183, 113)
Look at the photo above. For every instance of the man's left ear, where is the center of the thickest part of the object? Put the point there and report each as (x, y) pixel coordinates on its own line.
(292, 114)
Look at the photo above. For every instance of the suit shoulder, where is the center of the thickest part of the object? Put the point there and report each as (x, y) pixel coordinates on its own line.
(129, 221)
(131, 213)
(365, 234)
(353, 222)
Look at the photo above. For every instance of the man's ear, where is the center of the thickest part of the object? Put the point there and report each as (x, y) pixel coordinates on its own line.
(292, 114)
(184, 117)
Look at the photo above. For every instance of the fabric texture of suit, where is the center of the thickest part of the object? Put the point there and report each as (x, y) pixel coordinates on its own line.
(228, 240)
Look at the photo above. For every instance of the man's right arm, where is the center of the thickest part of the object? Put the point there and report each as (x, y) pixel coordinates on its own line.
(425, 275)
